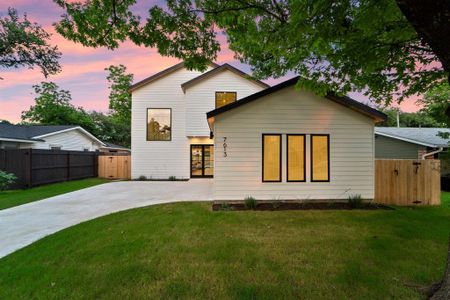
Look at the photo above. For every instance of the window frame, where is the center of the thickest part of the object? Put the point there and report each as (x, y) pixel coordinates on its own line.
(304, 157)
(215, 97)
(312, 154)
(146, 124)
(281, 157)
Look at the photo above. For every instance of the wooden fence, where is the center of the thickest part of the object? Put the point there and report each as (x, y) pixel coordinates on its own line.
(407, 181)
(114, 166)
(34, 167)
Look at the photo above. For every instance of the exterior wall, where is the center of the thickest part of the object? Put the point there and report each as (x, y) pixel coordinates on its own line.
(10, 145)
(287, 111)
(161, 159)
(386, 147)
(200, 98)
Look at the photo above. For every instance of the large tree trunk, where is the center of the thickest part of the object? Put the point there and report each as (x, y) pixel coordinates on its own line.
(442, 290)
(431, 20)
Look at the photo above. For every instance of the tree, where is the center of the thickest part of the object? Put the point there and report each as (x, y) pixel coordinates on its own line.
(53, 107)
(25, 44)
(436, 102)
(120, 96)
(415, 119)
(108, 129)
(383, 48)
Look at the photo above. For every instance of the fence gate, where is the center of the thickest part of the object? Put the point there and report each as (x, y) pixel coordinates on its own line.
(114, 166)
(407, 181)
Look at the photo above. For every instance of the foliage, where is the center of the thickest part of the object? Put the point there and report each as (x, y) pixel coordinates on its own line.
(413, 119)
(355, 201)
(225, 206)
(343, 46)
(25, 44)
(53, 107)
(250, 202)
(6, 180)
(436, 102)
(13, 198)
(110, 129)
(142, 178)
(172, 178)
(120, 96)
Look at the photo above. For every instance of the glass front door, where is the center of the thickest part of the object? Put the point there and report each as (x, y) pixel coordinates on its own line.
(202, 161)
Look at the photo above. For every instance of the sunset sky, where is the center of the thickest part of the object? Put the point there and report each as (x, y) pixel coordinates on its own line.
(83, 68)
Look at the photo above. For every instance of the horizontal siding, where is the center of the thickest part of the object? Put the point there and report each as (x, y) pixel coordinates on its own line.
(70, 140)
(200, 98)
(386, 147)
(351, 148)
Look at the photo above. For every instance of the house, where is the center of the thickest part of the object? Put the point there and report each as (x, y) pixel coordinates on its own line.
(408, 142)
(56, 137)
(113, 148)
(170, 133)
(267, 142)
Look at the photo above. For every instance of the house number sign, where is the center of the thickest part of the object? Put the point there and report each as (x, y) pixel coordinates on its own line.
(225, 147)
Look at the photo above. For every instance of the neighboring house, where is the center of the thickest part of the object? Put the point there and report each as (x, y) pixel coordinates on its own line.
(170, 134)
(56, 137)
(267, 142)
(113, 148)
(408, 142)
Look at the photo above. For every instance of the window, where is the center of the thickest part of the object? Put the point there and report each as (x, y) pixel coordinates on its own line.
(159, 124)
(271, 157)
(55, 147)
(224, 98)
(295, 157)
(320, 157)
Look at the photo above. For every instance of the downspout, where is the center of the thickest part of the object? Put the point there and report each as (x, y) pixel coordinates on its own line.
(432, 152)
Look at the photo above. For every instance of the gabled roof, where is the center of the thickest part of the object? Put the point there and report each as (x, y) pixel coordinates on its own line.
(161, 74)
(346, 101)
(421, 136)
(35, 133)
(224, 67)
(114, 147)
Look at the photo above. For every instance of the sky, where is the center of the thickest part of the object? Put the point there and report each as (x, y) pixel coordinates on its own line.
(83, 71)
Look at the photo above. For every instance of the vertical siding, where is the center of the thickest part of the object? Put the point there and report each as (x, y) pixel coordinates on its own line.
(288, 111)
(200, 98)
(386, 147)
(161, 159)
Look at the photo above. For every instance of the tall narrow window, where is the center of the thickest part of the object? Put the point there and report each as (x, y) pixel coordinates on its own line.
(224, 98)
(159, 124)
(295, 157)
(320, 157)
(271, 160)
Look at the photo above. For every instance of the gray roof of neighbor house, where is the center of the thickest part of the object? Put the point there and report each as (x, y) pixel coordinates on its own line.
(29, 132)
(422, 136)
(114, 146)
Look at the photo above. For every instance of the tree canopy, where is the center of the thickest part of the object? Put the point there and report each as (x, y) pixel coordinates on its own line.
(119, 95)
(25, 44)
(376, 47)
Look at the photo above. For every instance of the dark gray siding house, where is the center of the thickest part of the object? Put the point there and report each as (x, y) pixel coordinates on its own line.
(386, 147)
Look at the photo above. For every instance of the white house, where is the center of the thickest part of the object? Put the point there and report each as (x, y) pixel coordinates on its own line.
(169, 131)
(56, 137)
(267, 142)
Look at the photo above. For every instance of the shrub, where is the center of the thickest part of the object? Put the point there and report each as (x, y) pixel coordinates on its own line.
(142, 178)
(6, 179)
(172, 178)
(225, 206)
(355, 201)
(250, 202)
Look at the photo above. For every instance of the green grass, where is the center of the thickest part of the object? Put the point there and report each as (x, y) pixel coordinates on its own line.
(184, 250)
(18, 197)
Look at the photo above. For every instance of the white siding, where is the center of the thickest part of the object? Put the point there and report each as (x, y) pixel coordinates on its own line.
(200, 98)
(289, 111)
(161, 159)
(70, 140)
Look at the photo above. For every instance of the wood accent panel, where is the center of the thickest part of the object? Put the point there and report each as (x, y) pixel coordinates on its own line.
(114, 166)
(407, 182)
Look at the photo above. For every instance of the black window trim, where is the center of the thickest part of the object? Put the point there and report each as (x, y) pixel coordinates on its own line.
(203, 161)
(230, 92)
(304, 156)
(146, 124)
(311, 156)
(281, 157)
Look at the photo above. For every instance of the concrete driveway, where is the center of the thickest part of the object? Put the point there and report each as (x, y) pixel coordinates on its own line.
(25, 224)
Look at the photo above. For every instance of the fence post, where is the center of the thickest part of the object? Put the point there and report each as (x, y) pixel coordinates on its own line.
(95, 164)
(30, 168)
(68, 165)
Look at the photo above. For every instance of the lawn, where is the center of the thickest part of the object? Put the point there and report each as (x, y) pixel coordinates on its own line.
(184, 250)
(18, 197)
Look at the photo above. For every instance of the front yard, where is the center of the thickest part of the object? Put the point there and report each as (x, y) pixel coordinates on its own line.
(18, 197)
(184, 250)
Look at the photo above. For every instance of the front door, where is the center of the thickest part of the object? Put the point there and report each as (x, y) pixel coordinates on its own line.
(202, 161)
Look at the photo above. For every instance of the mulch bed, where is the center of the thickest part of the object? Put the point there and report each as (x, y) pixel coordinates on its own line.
(295, 205)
